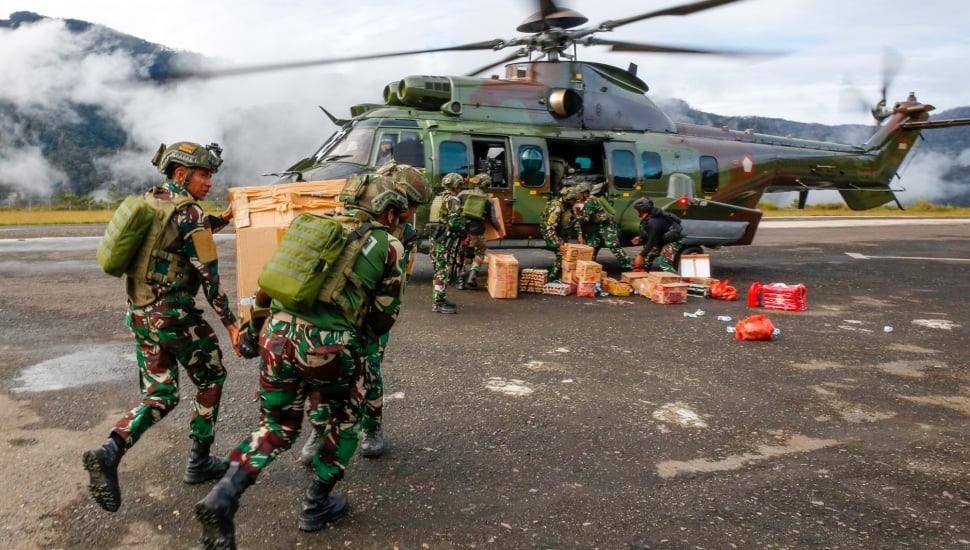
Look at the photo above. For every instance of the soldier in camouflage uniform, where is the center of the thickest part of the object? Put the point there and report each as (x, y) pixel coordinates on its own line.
(597, 228)
(315, 356)
(447, 234)
(557, 226)
(411, 182)
(657, 238)
(169, 329)
(475, 228)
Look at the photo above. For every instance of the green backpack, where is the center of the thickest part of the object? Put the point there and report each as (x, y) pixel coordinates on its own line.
(310, 262)
(124, 235)
(474, 207)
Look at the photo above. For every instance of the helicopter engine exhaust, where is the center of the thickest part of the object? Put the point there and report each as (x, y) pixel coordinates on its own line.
(565, 102)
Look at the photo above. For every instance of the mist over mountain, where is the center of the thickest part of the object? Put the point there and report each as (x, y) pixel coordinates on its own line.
(74, 121)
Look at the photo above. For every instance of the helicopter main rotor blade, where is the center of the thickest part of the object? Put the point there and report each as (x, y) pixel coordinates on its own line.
(619, 46)
(683, 9)
(254, 69)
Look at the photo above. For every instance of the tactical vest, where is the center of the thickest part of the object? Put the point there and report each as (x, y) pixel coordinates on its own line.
(153, 265)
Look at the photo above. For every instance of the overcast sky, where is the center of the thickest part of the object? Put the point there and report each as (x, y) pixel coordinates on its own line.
(829, 43)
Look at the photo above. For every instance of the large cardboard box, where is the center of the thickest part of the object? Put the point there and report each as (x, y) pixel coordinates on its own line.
(491, 233)
(261, 217)
(662, 277)
(587, 271)
(503, 276)
(630, 276)
(669, 293)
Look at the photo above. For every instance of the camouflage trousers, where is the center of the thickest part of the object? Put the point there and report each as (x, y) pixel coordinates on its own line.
(374, 384)
(607, 234)
(475, 252)
(667, 256)
(168, 333)
(556, 271)
(443, 264)
(304, 366)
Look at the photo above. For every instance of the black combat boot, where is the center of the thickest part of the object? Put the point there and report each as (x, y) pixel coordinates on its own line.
(320, 507)
(102, 467)
(472, 281)
(372, 443)
(216, 510)
(460, 284)
(202, 467)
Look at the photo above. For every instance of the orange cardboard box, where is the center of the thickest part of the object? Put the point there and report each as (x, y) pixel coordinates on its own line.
(630, 276)
(261, 217)
(503, 276)
(576, 252)
(587, 271)
(663, 277)
(644, 287)
(586, 290)
(670, 293)
(491, 233)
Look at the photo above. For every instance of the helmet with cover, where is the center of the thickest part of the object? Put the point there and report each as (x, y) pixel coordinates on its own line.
(375, 195)
(188, 154)
(481, 180)
(570, 194)
(452, 180)
(409, 180)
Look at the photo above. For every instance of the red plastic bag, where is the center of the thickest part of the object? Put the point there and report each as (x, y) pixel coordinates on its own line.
(754, 295)
(755, 327)
(724, 291)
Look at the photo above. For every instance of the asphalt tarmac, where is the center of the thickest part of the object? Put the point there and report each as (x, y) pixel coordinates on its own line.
(546, 422)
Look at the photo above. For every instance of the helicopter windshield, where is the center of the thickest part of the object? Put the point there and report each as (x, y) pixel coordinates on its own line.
(348, 145)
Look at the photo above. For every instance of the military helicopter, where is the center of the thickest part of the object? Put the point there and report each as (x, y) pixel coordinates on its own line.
(552, 120)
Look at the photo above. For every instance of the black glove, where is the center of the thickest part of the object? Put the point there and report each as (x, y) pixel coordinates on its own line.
(249, 345)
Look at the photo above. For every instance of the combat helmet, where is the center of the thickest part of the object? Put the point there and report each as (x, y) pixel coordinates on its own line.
(643, 204)
(452, 180)
(373, 194)
(570, 193)
(188, 154)
(480, 180)
(408, 180)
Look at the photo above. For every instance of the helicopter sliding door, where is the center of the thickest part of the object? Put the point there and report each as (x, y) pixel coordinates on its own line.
(530, 181)
(622, 180)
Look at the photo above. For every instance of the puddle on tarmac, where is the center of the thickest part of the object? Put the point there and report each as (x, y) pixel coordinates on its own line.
(90, 365)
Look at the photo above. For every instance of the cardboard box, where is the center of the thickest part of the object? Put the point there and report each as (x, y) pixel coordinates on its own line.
(556, 289)
(663, 277)
(587, 271)
(695, 265)
(644, 287)
(261, 217)
(669, 293)
(586, 289)
(576, 252)
(503, 276)
(616, 288)
(568, 271)
(630, 276)
(491, 233)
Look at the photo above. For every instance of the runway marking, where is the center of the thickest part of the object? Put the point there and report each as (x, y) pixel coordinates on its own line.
(942, 324)
(858, 256)
(794, 444)
(510, 387)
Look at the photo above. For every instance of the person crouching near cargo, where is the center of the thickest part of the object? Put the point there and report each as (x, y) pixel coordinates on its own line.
(557, 226)
(660, 233)
(312, 358)
(174, 262)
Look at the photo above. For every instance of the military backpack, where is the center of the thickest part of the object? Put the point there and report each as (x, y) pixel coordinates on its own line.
(474, 207)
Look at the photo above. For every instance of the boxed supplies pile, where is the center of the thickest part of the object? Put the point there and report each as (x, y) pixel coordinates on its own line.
(557, 288)
(261, 217)
(503, 276)
(784, 297)
(532, 280)
(669, 293)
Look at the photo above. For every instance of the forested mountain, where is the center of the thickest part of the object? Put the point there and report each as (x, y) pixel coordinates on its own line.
(71, 145)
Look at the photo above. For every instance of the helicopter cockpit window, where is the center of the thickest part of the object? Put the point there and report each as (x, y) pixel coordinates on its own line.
(354, 146)
(624, 169)
(453, 157)
(651, 166)
(709, 179)
(532, 172)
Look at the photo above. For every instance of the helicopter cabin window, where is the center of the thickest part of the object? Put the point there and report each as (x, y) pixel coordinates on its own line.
(453, 157)
(532, 172)
(651, 166)
(709, 175)
(624, 169)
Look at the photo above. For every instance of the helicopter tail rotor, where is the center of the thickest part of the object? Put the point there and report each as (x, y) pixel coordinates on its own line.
(892, 61)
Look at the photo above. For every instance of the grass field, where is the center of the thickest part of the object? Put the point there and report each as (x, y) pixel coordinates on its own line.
(41, 217)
